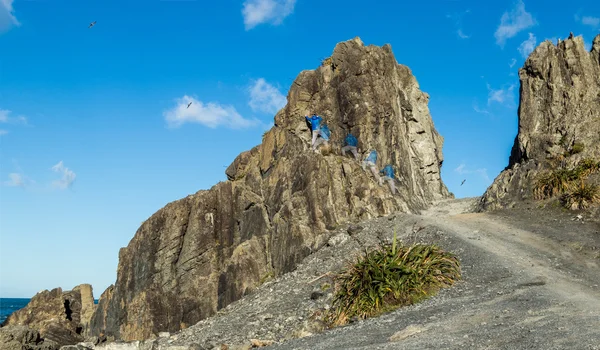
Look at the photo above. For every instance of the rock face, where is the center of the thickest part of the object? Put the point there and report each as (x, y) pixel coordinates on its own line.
(198, 254)
(24, 338)
(58, 316)
(559, 117)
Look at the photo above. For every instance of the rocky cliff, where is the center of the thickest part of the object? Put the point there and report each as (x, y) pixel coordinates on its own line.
(56, 316)
(198, 254)
(559, 117)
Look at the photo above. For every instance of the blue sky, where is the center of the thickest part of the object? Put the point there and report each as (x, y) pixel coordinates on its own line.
(95, 135)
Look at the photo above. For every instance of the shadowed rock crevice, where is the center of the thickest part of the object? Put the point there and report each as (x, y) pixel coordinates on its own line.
(281, 200)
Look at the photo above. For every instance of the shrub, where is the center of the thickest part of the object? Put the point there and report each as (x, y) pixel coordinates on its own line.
(559, 181)
(389, 277)
(582, 197)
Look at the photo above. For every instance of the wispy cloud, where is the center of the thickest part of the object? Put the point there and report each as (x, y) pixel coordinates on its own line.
(591, 21)
(457, 18)
(15, 180)
(67, 178)
(256, 12)
(479, 110)
(264, 97)
(513, 22)
(209, 114)
(3, 132)
(6, 118)
(463, 170)
(503, 96)
(527, 46)
(587, 45)
(512, 63)
(7, 17)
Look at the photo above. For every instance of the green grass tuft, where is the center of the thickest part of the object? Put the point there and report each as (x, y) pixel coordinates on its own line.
(582, 197)
(392, 276)
(560, 181)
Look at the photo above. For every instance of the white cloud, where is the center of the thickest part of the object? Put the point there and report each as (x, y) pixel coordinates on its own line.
(457, 18)
(591, 21)
(68, 176)
(479, 110)
(501, 96)
(3, 132)
(513, 22)
(587, 45)
(462, 169)
(210, 114)
(6, 118)
(512, 63)
(527, 46)
(7, 17)
(256, 12)
(16, 180)
(264, 97)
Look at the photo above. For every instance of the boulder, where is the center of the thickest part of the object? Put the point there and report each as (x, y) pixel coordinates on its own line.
(200, 253)
(17, 337)
(58, 316)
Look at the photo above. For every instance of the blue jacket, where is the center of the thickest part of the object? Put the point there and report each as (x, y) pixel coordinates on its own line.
(351, 140)
(388, 171)
(372, 156)
(315, 122)
(325, 132)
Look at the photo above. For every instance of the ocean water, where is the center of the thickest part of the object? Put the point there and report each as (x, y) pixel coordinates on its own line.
(10, 305)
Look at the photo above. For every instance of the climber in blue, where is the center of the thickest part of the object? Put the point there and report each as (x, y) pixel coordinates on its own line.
(324, 134)
(388, 175)
(351, 145)
(370, 161)
(315, 127)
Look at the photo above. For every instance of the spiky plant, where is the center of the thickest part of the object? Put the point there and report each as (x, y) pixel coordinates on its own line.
(392, 276)
(582, 197)
(552, 183)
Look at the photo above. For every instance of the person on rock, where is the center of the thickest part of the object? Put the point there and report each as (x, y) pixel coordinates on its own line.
(315, 126)
(351, 145)
(324, 134)
(370, 161)
(388, 175)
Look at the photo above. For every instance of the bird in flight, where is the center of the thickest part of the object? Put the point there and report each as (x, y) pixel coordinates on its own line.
(463, 182)
(92, 24)
(189, 104)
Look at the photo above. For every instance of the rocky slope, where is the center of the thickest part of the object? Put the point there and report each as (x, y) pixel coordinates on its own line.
(529, 280)
(198, 254)
(56, 316)
(559, 117)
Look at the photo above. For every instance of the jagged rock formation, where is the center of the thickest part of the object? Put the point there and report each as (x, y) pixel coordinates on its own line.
(24, 338)
(58, 316)
(559, 117)
(198, 254)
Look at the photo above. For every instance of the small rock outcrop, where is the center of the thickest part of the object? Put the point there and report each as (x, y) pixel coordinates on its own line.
(24, 338)
(60, 317)
(200, 253)
(559, 117)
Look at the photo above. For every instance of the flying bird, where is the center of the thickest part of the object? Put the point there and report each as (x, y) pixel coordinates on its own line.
(189, 104)
(92, 24)
(463, 181)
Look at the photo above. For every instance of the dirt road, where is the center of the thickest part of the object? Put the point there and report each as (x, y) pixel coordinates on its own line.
(530, 281)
